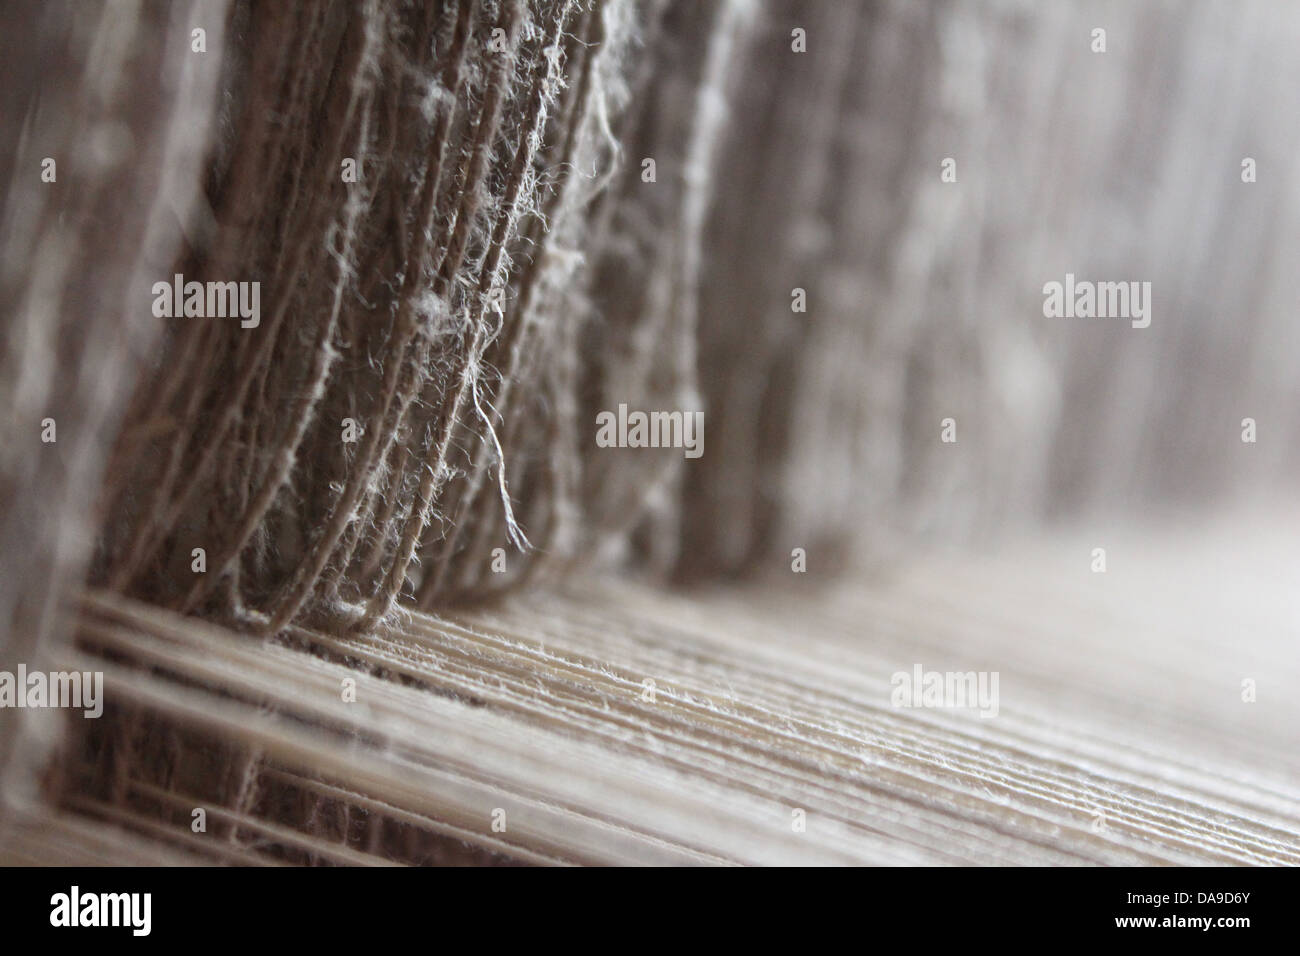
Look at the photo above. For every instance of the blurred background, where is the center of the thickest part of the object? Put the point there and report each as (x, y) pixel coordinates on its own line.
(925, 297)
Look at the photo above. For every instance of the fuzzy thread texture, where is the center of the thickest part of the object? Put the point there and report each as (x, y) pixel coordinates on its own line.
(409, 306)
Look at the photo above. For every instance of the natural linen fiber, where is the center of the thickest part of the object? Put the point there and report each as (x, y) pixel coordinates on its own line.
(453, 639)
(537, 715)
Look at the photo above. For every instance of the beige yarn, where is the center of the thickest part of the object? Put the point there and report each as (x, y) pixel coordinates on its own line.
(501, 271)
